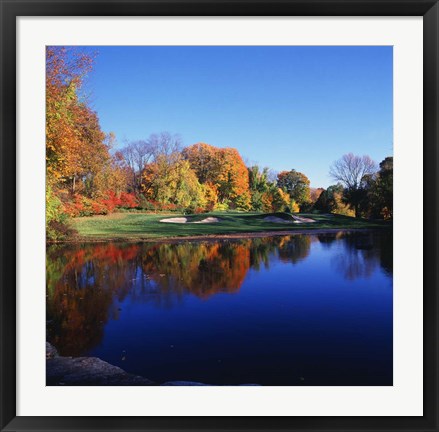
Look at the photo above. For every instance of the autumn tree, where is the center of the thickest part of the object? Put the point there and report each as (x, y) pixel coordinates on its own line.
(76, 147)
(169, 178)
(165, 154)
(258, 179)
(385, 186)
(86, 160)
(380, 192)
(275, 200)
(322, 203)
(172, 182)
(223, 169)
(258, 184)
(232, 179)
(352, 172)
(114, 176)
(296, 184)
(331, 200)
(65, 71)
(83, 177)
(315, 194)
(210, 196)
(204, 161)
(137, 154)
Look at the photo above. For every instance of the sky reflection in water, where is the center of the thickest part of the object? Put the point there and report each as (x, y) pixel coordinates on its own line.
(293, 310)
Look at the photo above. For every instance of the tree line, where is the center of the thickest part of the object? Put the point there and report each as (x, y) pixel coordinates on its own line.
(86, 175)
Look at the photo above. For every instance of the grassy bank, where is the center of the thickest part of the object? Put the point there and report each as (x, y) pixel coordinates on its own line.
(141, 226)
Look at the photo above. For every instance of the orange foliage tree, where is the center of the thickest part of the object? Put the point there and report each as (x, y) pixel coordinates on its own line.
(224, 170)
(64, 75)
(82, 176)
(296, 184)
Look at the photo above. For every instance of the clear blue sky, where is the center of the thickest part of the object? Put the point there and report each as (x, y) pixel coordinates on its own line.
(281, 107)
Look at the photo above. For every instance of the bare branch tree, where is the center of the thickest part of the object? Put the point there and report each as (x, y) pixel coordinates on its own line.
(352, 171)
(272, 176)
(167, 152)
(137, 154)
(165, 143)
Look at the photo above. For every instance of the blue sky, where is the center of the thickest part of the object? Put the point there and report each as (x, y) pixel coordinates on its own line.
(281, 107)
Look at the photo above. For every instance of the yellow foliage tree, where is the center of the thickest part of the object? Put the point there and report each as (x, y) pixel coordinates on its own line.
(171, 180)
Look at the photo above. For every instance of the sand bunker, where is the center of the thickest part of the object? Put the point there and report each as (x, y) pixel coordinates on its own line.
(301, 219)
(209, 220)
(296, 219)
(186, 220)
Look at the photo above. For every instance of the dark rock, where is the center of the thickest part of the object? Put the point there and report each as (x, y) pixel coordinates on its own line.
(50, 351)
(88, 371)
(92, 371)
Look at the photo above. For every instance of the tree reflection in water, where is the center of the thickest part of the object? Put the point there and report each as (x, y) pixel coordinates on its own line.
(86, 283)
(362, 253)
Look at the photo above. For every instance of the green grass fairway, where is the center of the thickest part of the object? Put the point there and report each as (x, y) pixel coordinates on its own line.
(141, 226)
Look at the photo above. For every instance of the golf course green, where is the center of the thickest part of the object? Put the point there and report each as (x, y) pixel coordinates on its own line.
(147, 226)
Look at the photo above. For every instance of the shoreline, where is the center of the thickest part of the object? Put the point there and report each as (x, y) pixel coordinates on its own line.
(214, 237)
(93, 371)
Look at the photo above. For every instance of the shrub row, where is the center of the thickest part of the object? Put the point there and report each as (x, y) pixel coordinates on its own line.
(81, 205)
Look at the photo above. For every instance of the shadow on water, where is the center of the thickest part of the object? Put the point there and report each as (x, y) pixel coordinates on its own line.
(237, 297)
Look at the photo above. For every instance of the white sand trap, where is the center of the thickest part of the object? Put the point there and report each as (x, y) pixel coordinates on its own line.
(175, 220)
(185, 220)
(300, 219)
(209, 220)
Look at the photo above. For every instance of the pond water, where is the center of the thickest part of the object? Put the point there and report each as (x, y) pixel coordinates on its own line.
(291, 310)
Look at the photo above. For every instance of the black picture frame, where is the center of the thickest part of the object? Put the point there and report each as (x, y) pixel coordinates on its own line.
(10, 10)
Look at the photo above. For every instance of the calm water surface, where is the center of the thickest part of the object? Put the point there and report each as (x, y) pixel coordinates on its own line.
(294, 310)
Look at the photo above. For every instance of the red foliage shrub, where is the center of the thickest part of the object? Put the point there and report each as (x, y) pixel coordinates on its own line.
(99, 208)
(80, 205)
(168, 207)
(75, 207)
(110, 201)
(128, 200)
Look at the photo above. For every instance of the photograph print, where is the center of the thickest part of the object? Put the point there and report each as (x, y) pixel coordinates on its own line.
(219, 215)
